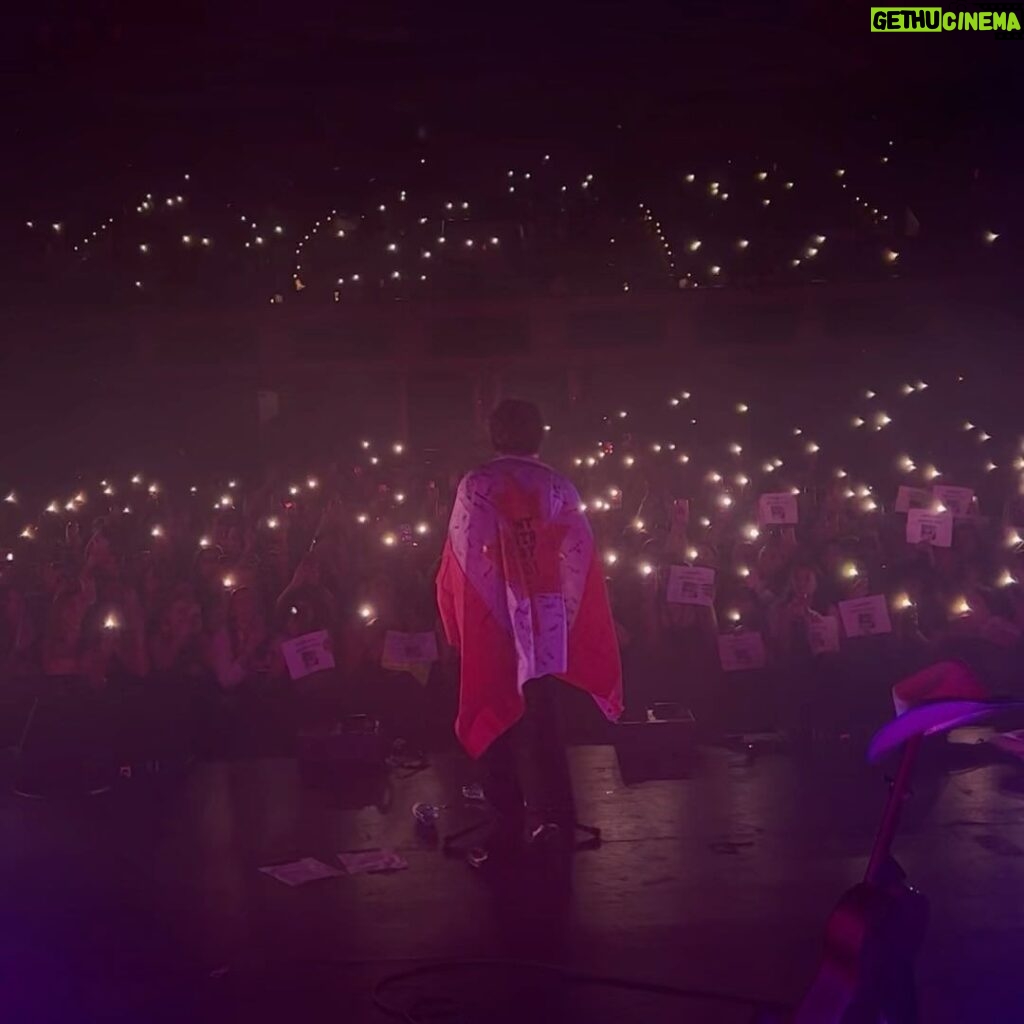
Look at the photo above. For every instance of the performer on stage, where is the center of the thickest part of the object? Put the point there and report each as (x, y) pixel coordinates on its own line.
(522, 597)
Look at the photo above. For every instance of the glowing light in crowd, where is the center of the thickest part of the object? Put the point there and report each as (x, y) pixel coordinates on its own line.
(961, 606)
(610, 557)
(157, 531)
(366, 612)
(901, 602)
(389, 540)
(742, 407)
(812, 448)
(228, 582)
(399, 498)
(646, 569)
(638, 524)
(628, 461)
(362, 518)
(725, 500)
(742, 571)
(691, 554)
(111, 621)
(422, 529)
(1007, 579)
(736, 449)
(733, 615)
(882, 420)
(11, 499)
(850, 571)
(204, 542)
(273, 522)
(398, 448)
(312, 483)
(990, 237)
(751, 532)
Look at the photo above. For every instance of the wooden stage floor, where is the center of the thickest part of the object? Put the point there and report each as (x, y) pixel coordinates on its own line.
(147, 904)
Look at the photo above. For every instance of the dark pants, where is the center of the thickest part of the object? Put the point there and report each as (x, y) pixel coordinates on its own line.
(528, 764)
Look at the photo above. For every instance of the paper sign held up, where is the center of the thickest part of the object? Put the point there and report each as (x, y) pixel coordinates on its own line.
(691, 585)
(957, 500)
(777, 509)
(935, 528)
(865, 616)
(739, 652)
(823, 634)
(409, 648)
(912, 497)
(307, 654)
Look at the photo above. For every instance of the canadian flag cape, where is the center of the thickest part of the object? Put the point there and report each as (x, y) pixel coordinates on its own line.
(522, 595)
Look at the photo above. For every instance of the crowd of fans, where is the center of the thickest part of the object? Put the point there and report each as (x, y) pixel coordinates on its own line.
(178, 602)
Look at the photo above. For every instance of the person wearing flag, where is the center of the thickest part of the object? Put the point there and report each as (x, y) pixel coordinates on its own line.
(522, 598)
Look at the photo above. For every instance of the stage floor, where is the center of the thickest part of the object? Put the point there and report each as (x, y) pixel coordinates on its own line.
(129, 907)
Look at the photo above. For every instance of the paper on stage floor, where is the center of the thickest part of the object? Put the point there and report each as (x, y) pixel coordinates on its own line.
(299, 872)
(361, 862)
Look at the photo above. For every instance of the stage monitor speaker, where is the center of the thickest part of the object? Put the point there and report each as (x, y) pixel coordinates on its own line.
(352, 746)
(659, 746)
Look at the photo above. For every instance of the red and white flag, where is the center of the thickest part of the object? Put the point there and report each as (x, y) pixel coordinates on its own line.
(522, 595)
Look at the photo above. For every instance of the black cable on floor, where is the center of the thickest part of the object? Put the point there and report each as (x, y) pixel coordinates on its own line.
(768, 1012)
